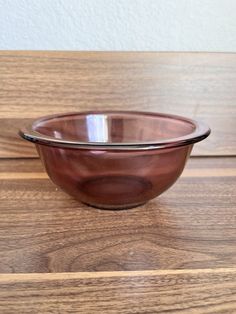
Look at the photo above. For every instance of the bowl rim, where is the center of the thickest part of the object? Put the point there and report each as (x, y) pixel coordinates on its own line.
(200, 132)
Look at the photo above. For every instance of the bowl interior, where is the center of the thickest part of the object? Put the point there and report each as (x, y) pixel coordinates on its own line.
(114, 127)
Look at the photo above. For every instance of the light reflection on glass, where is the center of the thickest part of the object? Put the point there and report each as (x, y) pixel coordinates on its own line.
(57, 134)
(97, 127)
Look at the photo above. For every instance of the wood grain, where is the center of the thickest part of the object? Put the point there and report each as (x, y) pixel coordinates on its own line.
(197, 85)
(177, 253)
(192, 225)
(195, 291)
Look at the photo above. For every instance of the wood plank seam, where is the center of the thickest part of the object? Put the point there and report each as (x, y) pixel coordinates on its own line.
(110, 274)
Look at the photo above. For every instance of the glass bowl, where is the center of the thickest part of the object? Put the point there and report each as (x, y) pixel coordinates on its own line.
(114, 159)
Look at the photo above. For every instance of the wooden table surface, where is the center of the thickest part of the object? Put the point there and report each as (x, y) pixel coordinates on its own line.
(177, 253)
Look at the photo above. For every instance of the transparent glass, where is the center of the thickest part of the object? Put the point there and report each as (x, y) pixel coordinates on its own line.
(114, 159)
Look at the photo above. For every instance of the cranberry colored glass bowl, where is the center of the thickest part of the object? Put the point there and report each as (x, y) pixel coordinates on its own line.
(114, 159)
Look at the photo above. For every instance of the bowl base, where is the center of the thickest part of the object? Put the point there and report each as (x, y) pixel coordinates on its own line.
(115, 191)
(114, 207)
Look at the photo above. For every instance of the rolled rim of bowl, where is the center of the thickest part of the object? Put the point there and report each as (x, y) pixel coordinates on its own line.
(200, 132)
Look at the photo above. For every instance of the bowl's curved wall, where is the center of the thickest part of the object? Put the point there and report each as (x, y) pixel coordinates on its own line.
(114, 179)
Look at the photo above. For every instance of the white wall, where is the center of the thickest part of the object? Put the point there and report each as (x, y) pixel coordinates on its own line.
(163, 25)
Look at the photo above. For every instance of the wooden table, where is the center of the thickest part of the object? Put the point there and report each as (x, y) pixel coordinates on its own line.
(176, 254)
